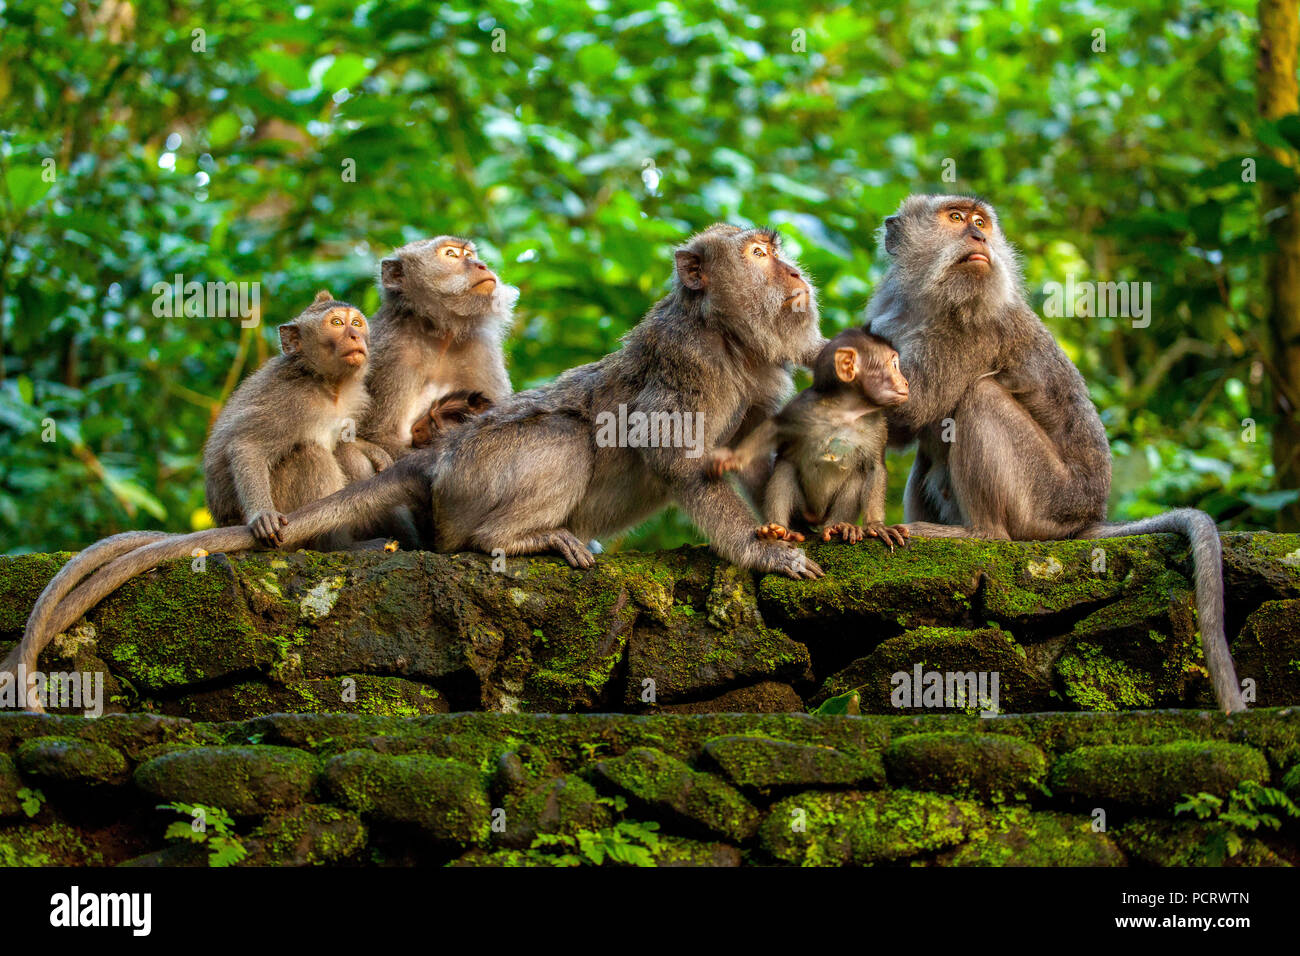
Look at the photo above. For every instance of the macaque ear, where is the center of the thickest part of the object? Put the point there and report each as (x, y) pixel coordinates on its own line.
(689, 269)
(391, 273)
(290, 339)
(324, 295)
(846, 364)
(892, 234)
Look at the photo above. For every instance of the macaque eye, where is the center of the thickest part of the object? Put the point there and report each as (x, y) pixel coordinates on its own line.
(336, 321)
(451, 251)
(979, 221)
(758, 252)
(357, 323)
(955, 216)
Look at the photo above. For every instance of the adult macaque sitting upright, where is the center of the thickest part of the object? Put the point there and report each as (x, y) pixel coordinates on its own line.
(1009, 444)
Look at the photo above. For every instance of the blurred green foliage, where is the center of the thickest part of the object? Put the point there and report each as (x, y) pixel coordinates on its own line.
(577, 141)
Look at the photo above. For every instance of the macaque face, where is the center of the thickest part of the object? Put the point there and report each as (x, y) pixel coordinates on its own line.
(459, 260)
(968, 229)
(347, 332)
(874, 371)
(884, 384)
(761, 251)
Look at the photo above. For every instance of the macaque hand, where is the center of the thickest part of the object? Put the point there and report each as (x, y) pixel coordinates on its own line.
(721, 461)
(266, 526)
(849, 533)
(896, 534)
(776, 532)
(790, 561)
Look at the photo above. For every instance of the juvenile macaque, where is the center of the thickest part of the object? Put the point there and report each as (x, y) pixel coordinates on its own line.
(529, 475)
(278, 444)
(830, 446)
(1009, 444)
(438, 331)
(286, 437)
(446, 412)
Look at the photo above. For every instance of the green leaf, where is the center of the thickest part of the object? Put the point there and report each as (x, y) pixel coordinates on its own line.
(26, 185)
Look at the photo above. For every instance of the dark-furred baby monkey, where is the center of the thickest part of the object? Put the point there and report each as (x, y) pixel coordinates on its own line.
(830, 446)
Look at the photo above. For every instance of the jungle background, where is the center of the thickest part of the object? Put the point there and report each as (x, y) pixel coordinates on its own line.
(577, 142)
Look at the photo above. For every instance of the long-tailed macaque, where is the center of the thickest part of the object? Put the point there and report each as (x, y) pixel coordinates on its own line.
(1009, 445)
(439, 330)
(548, 469)
(286, 437)
(830, 446)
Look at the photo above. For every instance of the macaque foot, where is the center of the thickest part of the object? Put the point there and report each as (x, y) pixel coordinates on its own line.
(776, 532)
(891, 534)
(789, 561)
(849, 533)
(266, 528)
(567, 544)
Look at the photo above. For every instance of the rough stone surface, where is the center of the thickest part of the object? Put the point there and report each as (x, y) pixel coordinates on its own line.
(660, 790)
(1155, 777)
(243, 780)
(1072, 625)
(665, 783)
(990, 766)
(69, 760)
(767, 765)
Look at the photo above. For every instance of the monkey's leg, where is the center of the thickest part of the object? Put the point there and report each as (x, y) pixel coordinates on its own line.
(1007, 475)
(874, 490)
(514, 490)
(310, 473)
(782, 500)
(916, 507)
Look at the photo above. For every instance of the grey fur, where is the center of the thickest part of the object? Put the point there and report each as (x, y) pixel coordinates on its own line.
(1028, 459)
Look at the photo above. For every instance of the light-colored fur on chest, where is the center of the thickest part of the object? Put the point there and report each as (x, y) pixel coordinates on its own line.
(336, 415)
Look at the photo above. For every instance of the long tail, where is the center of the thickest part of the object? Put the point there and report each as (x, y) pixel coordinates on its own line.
(1207, 570)
(927, 529)
(116, 560)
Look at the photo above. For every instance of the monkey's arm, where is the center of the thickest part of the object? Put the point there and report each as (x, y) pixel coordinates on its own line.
(782, 496)
(758, 444)
(252, 474)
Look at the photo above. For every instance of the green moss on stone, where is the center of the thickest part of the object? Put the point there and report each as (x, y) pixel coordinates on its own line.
(767, 765)
(1154, 777)
(1015, 836)
(55, 845)
(667, 784)
(309, 835)
(834, 828)
(1096, 681)
(243, 781)
(987, 766)
(444, 798)
(70, 760)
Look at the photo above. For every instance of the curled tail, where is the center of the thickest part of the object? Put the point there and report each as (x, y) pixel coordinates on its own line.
(103, 567)
(1207, 571)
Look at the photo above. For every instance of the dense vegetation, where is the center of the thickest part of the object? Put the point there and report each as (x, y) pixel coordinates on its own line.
(577, 141)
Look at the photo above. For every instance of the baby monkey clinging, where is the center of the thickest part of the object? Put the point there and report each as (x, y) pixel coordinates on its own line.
(830, 446)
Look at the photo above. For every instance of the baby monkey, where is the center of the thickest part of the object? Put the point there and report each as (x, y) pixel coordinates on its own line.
(450, 410)
(830, 446)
